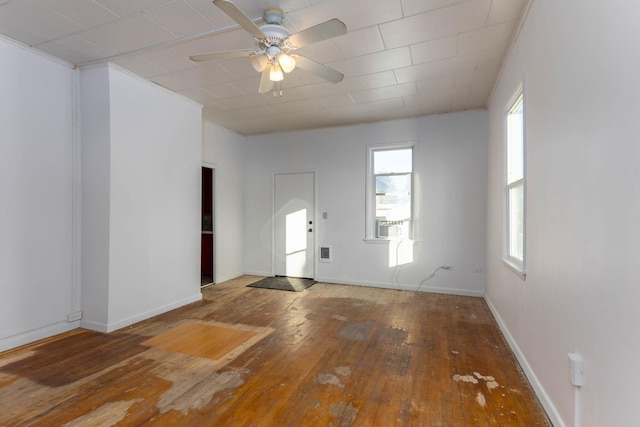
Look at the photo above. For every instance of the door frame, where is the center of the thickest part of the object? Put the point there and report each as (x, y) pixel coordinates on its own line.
(314, 201)
(214, 215)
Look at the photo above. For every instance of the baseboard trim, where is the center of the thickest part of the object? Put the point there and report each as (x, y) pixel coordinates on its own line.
(227, 277)
(546, 401)
(114, 326)
(258, 273)
(401, 286)
(37, 334)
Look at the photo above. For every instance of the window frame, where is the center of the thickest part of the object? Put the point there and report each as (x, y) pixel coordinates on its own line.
(515, 264)
(370, 196)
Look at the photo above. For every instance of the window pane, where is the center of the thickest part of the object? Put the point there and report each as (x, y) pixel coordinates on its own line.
(516, 221)
(392, 161)
(393, 197)
(515, 143)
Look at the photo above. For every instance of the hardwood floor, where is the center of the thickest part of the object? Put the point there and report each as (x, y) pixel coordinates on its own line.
(330, 356)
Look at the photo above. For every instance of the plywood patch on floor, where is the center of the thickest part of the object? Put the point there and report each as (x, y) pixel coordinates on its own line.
(210, 340)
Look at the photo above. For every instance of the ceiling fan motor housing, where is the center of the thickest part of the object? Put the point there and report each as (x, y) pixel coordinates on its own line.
(273, 16)
(276, 35)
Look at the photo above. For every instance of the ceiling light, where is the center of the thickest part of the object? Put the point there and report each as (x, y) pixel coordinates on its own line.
(275, 75)
(259, 61)
(287, 62)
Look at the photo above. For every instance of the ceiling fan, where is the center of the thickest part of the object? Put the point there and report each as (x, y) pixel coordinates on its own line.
(275, 55)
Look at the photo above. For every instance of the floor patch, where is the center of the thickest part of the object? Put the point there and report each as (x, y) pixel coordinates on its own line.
(207, 340)
(329, 379)
(106, 415)
(357, 331)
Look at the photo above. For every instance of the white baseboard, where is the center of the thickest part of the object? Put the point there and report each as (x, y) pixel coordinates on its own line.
(224, 278)
(37, 334)
(548, 405)
(94, 326)
(258, 273)
(113, 326)
(401, 286)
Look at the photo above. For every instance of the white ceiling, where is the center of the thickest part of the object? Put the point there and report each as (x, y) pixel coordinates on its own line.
(400, 58)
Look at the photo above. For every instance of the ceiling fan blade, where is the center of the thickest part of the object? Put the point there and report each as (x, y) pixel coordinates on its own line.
(265, 82)
(319, 70)
(221, 55)
(237, 15)
(323, 31)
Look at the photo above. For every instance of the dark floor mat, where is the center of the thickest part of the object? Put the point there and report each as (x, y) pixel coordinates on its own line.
(294, 284)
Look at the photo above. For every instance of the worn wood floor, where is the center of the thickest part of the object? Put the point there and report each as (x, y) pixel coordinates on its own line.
(330, 356)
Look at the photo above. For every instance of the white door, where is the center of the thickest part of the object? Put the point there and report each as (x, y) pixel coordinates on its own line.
(294, 225)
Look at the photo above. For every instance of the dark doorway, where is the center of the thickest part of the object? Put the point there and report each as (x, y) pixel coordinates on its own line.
(207, 240)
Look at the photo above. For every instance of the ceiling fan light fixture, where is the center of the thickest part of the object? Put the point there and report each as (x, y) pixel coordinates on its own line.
(260, 61)
(276, 75)
(287, 63)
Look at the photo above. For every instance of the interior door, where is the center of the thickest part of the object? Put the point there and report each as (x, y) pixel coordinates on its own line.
(294, 227)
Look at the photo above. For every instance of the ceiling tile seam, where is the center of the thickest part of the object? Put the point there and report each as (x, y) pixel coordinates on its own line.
(379, 89)
(61, 15)
(106, 7)
(488, 27)
(86, 30)
(165, 4)
(189, 5)
(151, 76)
(384, 43)
(488, 12)
(199, 13)
(167, 71)
(149, 17)
(157, 6)
(166, 44)
(97, 3)
(435, 9)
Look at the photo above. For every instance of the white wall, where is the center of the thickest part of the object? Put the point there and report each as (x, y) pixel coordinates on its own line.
(96, 189)
(223, 151)
(450, 200)
(581, 292)
(36, 196)
(153, 185)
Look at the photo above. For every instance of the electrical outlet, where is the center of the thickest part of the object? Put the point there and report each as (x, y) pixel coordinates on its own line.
(72, 317)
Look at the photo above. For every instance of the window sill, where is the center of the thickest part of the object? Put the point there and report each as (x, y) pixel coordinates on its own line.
(375, 241)
(516, 268)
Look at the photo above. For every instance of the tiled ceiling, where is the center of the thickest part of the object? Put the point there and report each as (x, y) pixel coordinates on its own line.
(400, 58)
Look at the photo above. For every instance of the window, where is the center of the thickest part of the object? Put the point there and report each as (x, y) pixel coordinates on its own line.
(515, 185)
(389, 188)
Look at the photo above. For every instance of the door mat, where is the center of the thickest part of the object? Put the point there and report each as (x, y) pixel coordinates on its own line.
(281, 283)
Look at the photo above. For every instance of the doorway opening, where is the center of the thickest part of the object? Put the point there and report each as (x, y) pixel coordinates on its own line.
(207, 264)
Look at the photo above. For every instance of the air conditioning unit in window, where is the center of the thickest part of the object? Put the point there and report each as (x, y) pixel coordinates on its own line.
(386, 229)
